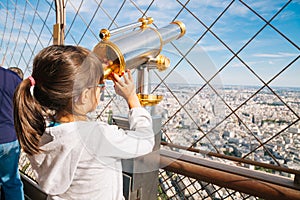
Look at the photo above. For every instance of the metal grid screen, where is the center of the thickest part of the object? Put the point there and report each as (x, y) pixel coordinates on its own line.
(231, 88)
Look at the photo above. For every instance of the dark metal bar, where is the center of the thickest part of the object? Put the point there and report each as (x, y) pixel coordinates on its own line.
(32, 189)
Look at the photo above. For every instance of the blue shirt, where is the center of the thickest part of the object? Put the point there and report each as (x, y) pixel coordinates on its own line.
(9, 80)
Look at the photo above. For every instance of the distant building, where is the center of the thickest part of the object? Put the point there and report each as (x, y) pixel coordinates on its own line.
(294, 130)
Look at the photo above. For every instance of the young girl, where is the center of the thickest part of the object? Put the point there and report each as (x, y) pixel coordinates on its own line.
(75, 158)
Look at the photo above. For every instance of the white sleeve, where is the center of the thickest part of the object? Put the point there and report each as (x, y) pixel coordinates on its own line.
(110, 141)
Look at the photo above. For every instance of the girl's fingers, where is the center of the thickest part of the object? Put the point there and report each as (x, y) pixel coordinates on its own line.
(116, 77)
(129, 74)
(117, 81)
(126, 80)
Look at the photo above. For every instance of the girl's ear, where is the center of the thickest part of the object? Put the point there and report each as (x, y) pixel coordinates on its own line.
(84, 97)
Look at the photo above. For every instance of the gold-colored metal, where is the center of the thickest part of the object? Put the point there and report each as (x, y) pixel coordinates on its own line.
(182, 27)
(145, 22)
(150, 20)
(56, 34)
(160, 39)
(149, 99)
(140, 50)
(162, 62)
(104, 34)
(59, 27)
(111, 57)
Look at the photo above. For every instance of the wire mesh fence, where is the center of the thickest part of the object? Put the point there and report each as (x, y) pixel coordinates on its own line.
(231, 88)
(175, 186)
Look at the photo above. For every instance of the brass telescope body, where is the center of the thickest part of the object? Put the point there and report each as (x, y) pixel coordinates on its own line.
(136, 50)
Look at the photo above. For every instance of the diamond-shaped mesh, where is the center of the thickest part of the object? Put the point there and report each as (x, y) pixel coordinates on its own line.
(26, 28)
(251, 116)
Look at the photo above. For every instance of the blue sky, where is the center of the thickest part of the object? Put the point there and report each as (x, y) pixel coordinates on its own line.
(267, 54)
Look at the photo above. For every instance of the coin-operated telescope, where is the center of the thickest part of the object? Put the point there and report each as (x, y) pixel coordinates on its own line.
(138, 49)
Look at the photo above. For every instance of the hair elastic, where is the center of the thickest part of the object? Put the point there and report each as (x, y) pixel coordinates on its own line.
(32, 84)
(32, 81)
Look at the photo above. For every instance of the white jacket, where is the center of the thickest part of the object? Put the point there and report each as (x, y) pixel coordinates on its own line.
(82, 160)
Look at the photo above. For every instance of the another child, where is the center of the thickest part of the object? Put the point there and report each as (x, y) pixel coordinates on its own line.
(75, 158)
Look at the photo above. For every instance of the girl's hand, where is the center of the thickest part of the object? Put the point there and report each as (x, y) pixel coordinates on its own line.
(126, 89)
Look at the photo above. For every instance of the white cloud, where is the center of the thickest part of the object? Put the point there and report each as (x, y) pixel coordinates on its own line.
(275, 55)
(213, 4)
(162, 4)
(238, 9)
(213, 48)
(267, 6)
(85, 6)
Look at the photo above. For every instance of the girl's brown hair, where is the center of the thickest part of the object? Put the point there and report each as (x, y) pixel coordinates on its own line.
(60, 73)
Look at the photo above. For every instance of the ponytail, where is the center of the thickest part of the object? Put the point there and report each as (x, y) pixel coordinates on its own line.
(60, 74)
(29, 118)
